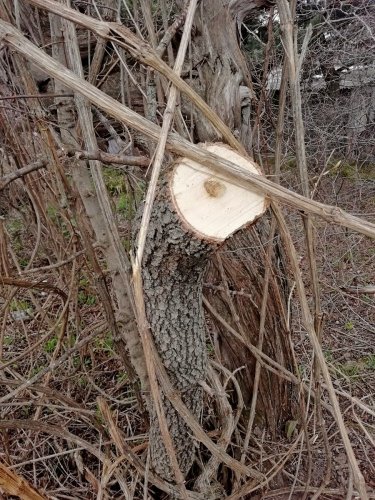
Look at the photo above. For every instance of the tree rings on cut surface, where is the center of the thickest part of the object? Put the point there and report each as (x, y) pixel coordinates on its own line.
(211, 205)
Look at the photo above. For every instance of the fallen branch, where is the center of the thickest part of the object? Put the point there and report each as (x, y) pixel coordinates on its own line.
(33, 96)
(367, 289)
(40, 285)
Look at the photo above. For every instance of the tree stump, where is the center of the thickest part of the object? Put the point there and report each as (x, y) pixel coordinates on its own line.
(194, 212)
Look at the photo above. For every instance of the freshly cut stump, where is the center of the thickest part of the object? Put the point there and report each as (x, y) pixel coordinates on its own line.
(194, 212)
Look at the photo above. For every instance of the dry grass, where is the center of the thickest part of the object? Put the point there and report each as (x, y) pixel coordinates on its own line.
(40, 340)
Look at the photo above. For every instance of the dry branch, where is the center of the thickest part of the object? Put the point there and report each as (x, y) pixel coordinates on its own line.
(117, 159)
(34, 96)
(40, 285)
(144, 53)
(7, 179)
(230, 171)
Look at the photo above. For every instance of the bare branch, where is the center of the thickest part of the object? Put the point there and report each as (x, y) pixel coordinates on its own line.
(176, 143)
(132, 161)
(7, 179)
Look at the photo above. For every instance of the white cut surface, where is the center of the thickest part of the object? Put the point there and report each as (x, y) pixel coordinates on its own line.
(211, 205)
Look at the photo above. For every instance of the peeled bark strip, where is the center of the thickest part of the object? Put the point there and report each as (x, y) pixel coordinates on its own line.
(13, 484)
(180, 240)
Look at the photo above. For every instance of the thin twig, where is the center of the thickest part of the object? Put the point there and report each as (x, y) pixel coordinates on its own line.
(17, 174)
(34, 96)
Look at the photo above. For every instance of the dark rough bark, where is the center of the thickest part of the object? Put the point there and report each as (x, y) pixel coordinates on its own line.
(173, 266)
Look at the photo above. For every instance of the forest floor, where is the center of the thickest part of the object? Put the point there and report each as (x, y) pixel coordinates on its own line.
(346, 264)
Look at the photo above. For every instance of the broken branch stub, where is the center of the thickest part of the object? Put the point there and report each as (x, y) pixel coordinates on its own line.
(193, 213)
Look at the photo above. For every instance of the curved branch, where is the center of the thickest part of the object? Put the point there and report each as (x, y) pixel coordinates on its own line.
(7, 179)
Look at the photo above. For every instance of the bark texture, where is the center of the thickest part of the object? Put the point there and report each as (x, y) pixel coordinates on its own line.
(237, 283)
(234, 285)
(219, 72)
(173, 266)
(63, 36)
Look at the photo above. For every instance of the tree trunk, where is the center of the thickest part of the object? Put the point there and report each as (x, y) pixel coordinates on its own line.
(219, 71)
(178, 252)
(125, 323)
(223, 81)
(194, 212)
(173, 265)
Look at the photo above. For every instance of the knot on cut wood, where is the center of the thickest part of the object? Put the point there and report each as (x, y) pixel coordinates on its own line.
(214, 187)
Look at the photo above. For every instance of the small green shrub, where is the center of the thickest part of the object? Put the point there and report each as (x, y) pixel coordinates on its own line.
(86, 299)
(349, 325)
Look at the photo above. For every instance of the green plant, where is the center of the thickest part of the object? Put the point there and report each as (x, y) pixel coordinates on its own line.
(349, 325)
(50, 345)
(52, 212)
(127, 244)
(105, 344)
(76, 361)
(348, 170)
(72, 338)
(328, 355)
(14, 226)
(8, 340)
(83, 282)
(23, 262)
(291, 428)
(210, 348)
(86, 299)
(114, 181)
(20, 305)
(35, 370)
(82, 381)
(87, 361)
(124, 206)
(302, 370)
(370, 362)
(122, 377)
(98, 415)
(350, 369)
(26, 410)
